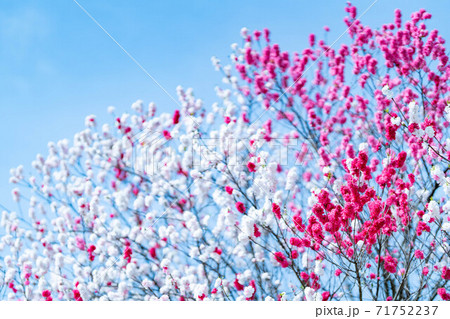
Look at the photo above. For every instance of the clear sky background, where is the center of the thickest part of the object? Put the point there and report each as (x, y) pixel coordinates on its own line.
(57, 66)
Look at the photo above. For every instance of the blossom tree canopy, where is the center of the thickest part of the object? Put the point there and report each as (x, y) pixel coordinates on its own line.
(320, 175)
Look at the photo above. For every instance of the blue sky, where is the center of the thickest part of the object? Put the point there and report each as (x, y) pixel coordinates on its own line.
(57, 66)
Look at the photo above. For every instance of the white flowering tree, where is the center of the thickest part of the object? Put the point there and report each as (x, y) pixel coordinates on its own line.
(322, 185)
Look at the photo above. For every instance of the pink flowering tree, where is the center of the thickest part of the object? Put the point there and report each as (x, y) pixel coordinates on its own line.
(320, 175)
